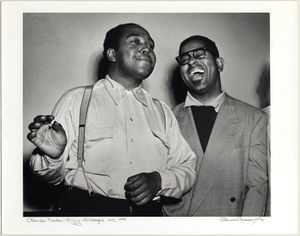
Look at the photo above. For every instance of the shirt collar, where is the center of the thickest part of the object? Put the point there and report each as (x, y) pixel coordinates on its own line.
(116, 91)
(216, 102)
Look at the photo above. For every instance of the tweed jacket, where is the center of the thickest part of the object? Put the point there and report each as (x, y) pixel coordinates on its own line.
(232, 177)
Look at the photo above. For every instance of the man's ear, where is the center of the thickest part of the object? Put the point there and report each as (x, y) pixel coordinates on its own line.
(220, 63)
(111, 54)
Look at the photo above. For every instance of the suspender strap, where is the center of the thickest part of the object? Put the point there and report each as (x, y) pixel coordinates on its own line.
(81, 133)
(82, 119)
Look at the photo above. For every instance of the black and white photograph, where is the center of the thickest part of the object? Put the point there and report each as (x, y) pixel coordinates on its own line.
(126, 141)
(132, 114)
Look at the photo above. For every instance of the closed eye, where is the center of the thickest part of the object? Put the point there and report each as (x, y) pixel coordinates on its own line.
(149, 45)
(138, 41)
(135, 41)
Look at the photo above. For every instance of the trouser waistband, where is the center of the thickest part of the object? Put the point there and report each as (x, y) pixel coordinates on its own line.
(99, 196)
(78, 202)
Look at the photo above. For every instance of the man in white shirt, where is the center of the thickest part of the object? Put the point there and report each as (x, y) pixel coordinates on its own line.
(228, 136)
(133, 154)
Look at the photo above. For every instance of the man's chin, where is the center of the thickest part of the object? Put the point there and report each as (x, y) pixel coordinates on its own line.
(196, 85)
(144, 74)
(200, 90)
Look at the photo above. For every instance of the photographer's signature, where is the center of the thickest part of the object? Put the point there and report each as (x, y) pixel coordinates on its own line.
(244, 219)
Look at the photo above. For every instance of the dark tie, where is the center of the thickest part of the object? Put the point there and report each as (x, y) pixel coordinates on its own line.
(204, 117)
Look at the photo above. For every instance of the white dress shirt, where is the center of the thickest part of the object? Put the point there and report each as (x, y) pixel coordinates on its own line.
(119, 143)
(216, 102)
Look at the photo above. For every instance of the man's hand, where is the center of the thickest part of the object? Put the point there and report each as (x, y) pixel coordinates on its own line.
(50, 139)
(142, 188)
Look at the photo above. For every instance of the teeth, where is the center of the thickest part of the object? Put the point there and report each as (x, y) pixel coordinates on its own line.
(197, 71)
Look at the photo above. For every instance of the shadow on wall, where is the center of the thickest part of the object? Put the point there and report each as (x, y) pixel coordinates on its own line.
(177, 87)
(101, 68)
(37, 195)
(263, 88)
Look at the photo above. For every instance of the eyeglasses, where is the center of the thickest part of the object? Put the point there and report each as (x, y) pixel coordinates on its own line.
(184, 58)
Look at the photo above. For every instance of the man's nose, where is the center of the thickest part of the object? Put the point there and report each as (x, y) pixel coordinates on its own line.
(192, 59)
(145, 49)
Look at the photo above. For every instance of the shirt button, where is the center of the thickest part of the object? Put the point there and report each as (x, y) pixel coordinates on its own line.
(132, 140)
(131, 163)
(131, 119)
(232, 199)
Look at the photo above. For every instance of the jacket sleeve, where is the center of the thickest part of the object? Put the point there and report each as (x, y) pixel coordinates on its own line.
(45, 168)
(257, 175)
(179, 176)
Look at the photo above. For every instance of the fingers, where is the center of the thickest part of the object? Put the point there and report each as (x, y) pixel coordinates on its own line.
(34, 126)
(56, 126)
(138, 189)
(31, 136)
(141, 188)
(133, 182)
(140, 196)
(43, 119)
(141, 199)
(39, 120)
(135, 189)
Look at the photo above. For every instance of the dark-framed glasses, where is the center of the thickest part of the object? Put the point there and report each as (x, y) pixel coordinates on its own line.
(184, 58)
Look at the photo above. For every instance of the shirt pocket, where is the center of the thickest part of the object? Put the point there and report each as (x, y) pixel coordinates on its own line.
(98, 132)
(163, 138)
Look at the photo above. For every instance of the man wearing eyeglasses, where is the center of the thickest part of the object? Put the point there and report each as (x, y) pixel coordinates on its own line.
(228, 136)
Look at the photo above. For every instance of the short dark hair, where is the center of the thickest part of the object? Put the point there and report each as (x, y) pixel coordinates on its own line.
(211, 46)
(113, 36)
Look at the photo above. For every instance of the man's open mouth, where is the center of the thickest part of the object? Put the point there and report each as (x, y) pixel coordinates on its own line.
(197, 73)
(196, 76)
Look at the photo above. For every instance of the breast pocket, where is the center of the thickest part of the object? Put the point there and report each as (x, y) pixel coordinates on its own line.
(98, 147)
(163, 139)
(98, 132)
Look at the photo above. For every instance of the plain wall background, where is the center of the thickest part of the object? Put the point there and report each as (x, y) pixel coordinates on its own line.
(62, 51)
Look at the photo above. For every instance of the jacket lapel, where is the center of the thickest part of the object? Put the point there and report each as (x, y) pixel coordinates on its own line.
(189, 132)
(225, 133)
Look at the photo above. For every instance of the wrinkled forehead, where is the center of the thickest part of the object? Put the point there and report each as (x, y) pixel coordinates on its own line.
(133, 30)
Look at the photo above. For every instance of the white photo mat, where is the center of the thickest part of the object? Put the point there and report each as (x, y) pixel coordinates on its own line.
(284, 128)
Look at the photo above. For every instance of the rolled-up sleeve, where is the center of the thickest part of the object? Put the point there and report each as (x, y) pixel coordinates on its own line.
(52, 170)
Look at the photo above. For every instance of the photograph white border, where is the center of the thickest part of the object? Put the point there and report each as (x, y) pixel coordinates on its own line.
(284, 126)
